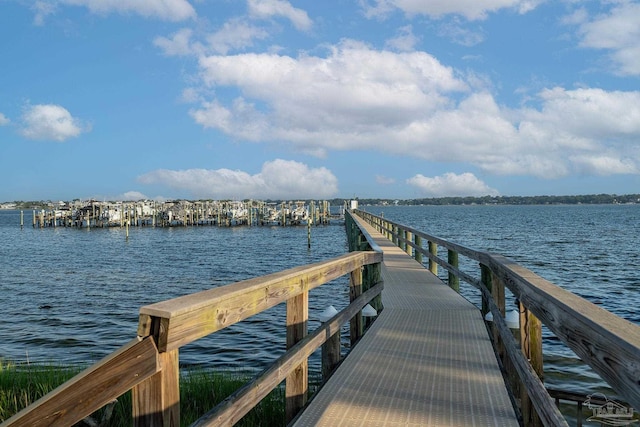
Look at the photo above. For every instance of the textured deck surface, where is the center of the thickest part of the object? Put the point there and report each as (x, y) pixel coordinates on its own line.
(426, 361)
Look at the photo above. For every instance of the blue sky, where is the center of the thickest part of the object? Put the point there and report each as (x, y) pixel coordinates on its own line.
(275, 99)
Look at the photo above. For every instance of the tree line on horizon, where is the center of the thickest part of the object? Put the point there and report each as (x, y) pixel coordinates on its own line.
(589, 199)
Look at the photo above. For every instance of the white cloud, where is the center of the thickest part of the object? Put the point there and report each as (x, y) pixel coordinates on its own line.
(132, 196)
(42, 9)
(451, 184)
(460, 34)
(265, 9)
(4, 120)
(169, 10)
(409, 104)
(315, 102)
(50, 122)
(179, 44)
(405, 41)
(470, 9)
(384, 180)
(618, 32)
(279, 179)
(235, 34)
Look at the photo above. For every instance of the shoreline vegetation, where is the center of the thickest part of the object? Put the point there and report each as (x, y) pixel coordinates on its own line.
(200, 390)
(591, 199)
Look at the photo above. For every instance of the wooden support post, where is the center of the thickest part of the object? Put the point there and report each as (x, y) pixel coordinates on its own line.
(485, 278)
(418, 253)
(355, 290)
(298, 381)
(330, 355)
(531, 345)
(409, 239)
(156, 401)
(433, 250)
(497, 292)
(454, 281)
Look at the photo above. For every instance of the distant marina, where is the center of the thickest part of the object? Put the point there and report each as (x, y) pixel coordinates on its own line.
(96, 214)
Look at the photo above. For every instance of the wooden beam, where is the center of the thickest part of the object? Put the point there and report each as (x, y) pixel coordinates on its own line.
(608, 343)
(156, 401)
(297, 382)
(194, 316)
(92, 388)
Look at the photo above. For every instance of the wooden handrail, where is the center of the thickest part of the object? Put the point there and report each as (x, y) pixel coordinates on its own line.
(149, 365)
(93, 388)
(190, 317)
(606, 342)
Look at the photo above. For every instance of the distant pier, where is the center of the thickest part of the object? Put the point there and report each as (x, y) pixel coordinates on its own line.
(182, 213)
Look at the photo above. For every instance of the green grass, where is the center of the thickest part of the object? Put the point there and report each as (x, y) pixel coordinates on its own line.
(200, 390)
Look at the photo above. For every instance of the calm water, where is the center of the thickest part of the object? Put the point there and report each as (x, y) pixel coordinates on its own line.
(73, 294)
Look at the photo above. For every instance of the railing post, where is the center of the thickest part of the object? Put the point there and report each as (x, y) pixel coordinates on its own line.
(454, 280)
(355, 290)
(394, 236)
(298, 381)
(156, 401)
(418, 253)
(433, 250)
(531, 344)
(409, 239)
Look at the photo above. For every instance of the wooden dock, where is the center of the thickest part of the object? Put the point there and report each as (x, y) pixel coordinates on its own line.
(426, 361)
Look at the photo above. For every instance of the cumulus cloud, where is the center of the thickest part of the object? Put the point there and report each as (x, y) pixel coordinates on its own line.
(235, 34)
(408, 103)
(169, 10)
(278, 179)
(451, 184)
(179, 44)
(404, 41)
(618, 32)
(470, 9)
(265, 9)
(50, 122)
(4, 120)
(316, 103)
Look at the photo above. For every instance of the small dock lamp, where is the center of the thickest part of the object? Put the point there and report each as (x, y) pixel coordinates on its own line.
(331, 347)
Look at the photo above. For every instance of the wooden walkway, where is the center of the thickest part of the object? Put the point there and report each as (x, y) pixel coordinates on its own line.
(426, 361)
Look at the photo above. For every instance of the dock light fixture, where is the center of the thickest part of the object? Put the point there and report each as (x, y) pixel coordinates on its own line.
(513, 319)
(369, 311)
(327, 314)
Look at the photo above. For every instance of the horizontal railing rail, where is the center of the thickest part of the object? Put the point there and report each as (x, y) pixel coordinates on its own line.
(604, 341)
(149, 365)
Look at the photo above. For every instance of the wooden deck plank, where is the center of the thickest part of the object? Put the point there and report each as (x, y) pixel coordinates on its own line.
(426, 361)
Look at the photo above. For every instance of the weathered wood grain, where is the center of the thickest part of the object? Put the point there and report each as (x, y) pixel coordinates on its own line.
(232, 409)
(194, 316)
(156, 400)
(608, 343)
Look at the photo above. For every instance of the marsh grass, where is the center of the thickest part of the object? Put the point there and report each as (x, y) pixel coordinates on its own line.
(200, 390)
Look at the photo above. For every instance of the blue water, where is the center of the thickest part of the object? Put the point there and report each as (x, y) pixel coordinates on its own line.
(73, 295)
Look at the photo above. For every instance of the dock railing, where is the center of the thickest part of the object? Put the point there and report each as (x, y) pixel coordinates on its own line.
(604, 341)
(149, 364)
